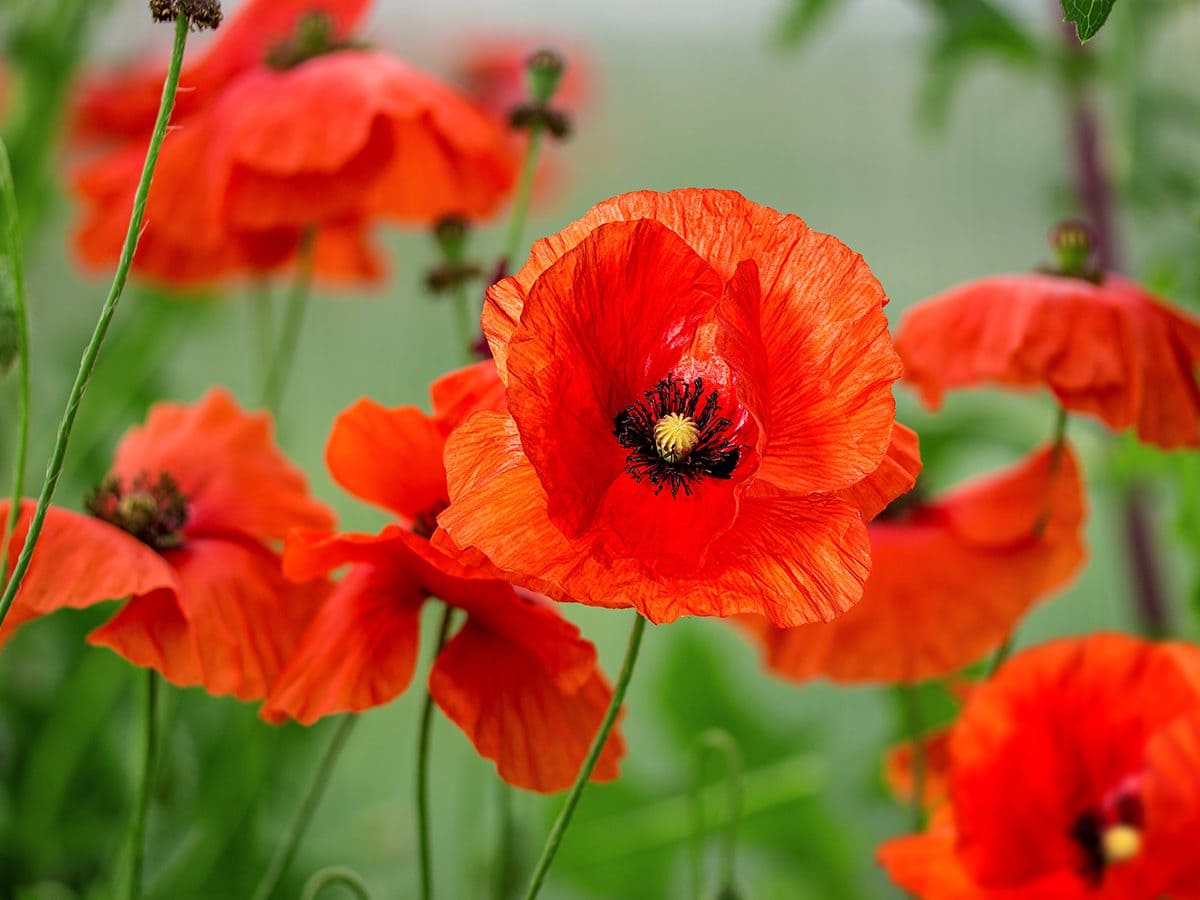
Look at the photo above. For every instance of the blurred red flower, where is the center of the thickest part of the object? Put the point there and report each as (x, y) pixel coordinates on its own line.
(950, 578)
(518, 679)
(692, 380)
(1074, 773)
(184, 526)
(1109, 349)
(285, 126)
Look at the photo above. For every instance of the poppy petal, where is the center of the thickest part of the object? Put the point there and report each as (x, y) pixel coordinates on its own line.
(518, 715)
(227, 465)
(793, 560)
(389, 457)
(78, 561)
(896, 475)
(359, 652)
(153, 631)
(459, 393)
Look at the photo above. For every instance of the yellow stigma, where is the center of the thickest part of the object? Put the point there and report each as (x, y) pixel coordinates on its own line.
(675, 436)
(1121, 843)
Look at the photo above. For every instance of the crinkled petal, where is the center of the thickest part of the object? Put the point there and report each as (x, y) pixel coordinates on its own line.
(227, 464)
(940, 596)
(244, 620)
(793, 560)
(464, 391)
(78, 561)
(518, 714)
(359, 652)
(896, 475)
(389, 457)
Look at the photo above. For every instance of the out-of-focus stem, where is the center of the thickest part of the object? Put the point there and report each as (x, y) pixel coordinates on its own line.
(425, 731)
(141, 810)
(293, 322)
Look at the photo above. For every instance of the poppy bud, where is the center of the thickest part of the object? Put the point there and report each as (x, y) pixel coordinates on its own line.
(544, 70)
(1074, 242)
(10, 345)
(200, 13)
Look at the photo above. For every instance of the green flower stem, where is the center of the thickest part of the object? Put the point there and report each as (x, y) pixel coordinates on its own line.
(910, 700)
(286, 850)
(293, 322)
(520, 208)
(335, 875)
(261, 329)
(141, 810)
(502, 865)
(589, 763)
(465, 326)
(58, 455)
(424, 733)
(10, 264)
(720, 742)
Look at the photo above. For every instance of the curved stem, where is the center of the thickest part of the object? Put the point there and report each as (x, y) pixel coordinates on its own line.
(58, 455)
(423, 736)
(293, 322)
(335, 875)
(914, 725)
(299, 824)
(589, 763)
(520, 209)
(141, 810)
(10, 258)
(718, 741)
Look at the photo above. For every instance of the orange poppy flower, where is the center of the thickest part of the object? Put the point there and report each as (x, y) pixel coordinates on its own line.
(692, 380)
(184, 526)
(1074, 773)
(518, 679)
(292, 128)
(1109, 349)
(950, 578)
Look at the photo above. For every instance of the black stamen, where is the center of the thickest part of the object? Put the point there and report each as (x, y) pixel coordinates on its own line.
(153, 511)
(714, 453)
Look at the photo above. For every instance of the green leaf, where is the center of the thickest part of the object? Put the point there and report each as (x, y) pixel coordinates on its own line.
(1086, 15)
(801, 20)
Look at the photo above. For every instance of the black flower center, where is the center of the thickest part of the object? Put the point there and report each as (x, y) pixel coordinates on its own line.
(153, 511)
(675, 440)
(1108, 840)
(425, 524)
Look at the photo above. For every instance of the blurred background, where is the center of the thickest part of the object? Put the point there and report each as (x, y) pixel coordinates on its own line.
(930, 135)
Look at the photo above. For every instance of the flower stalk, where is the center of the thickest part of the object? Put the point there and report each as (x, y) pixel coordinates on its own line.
(424, 733)
(589, 763)
(293, 322)
(141, 810)
(87, 364)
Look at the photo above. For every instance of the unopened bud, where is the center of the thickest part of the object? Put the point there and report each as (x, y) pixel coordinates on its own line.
(544, 70)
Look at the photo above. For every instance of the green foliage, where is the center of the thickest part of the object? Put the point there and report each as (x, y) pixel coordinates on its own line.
(801, 20)
(1087, 15)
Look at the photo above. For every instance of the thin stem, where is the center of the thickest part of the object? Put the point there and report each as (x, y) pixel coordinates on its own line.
(335, 875)
(261, 329)
(520, 208)
(589, 763)
(502, 865)
(11, 254)
(58, 455)
(721, 742)
(1094, 190)
(914, 726)
(141, 809)
(465, 325)
(286, 850)
(423, 736)
(284, 353)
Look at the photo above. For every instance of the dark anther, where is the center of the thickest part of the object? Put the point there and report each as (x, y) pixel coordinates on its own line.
(671, 444)
(154, 512)
(1088, 835)
(200, 14)
(425, 524)
(539, 115)
(449, 276)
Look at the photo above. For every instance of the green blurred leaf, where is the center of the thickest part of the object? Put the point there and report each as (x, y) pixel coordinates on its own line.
(967, 31)
(801, 20)
(1087, 15)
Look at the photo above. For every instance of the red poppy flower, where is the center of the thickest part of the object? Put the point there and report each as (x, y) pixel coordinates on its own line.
(292, 128)
(950, 578)
(518, 679)
(692, 380)
(1111, 350)
(184, 527)
(1074, 773)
